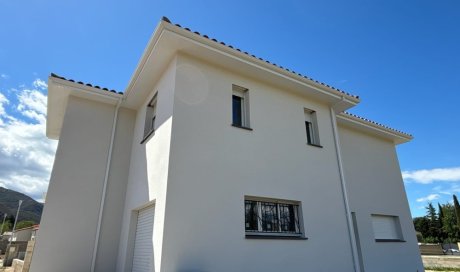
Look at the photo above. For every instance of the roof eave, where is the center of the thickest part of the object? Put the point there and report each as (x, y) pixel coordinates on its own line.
(396, 137)
(59, 91)
(227, 51)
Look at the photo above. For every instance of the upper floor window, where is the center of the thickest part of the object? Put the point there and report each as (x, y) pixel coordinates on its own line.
(272, 217)
(311, 127)
(240, 107)
(150, 116)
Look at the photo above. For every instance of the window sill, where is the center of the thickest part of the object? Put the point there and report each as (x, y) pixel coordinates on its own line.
(316, 145)
(390, 240)
(237, 126)
(274, 236)
(146, 137)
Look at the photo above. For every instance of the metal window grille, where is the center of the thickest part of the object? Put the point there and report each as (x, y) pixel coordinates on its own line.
(271, 217)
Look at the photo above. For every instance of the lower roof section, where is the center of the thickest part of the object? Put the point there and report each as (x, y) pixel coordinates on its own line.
(371, 127)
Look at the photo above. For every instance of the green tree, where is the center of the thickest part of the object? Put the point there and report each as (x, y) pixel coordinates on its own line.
(7, 227)
(422, 225)
(450, 227)
(24, 224)
(457, 210)
(442, 233)
(433, 223)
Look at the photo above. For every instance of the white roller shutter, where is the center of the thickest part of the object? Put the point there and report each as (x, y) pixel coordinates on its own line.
(143, 243)
(386, 227)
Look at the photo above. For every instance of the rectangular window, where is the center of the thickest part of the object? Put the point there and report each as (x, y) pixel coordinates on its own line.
(150, 116)
(386, 228)
(311, 127)
(240, 107)
(272, 217)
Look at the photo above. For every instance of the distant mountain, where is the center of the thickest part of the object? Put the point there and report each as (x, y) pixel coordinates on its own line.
(31, 210)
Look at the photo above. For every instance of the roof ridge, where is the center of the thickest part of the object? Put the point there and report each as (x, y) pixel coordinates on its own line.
(375, 123)
(166, 19)
(84, 84)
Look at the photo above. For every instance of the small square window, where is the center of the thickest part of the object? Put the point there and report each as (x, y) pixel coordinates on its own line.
(150, 116)
(386, 228)
(240, 107)
(311, 127)
(272, 217)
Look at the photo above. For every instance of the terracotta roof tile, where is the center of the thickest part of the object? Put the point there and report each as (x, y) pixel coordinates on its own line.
(84, 84)
(375, 123)
(165, 19)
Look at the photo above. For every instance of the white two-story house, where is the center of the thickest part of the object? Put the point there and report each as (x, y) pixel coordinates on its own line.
(214, 160)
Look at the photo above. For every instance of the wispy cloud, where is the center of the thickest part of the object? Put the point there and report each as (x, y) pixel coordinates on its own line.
(426, 176)
(40, 84)
(4, 76)
(428, 198)
(26, 155)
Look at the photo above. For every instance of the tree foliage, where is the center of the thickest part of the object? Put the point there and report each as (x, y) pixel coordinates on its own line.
(439, 226)
(457, 210)
(24, 224)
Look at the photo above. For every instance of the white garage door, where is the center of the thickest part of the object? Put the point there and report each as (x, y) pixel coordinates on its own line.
(143, 243)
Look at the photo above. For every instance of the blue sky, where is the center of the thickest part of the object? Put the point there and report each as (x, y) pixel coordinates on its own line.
(401, 57)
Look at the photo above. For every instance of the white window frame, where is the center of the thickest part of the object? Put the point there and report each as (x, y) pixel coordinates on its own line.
(150, 117)
(311, 127)
(243, 94)
(260, 233)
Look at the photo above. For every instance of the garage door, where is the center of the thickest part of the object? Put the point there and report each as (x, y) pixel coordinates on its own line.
(143, 243)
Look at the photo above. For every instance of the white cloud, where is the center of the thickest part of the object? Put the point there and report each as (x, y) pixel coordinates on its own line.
(4, 76)
(40, 84)
(3, 102)
(426, 176)
(26, 155)
(428, 198)
(32, 104)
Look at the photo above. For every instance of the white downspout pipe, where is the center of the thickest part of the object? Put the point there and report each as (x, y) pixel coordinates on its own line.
(104, 188)
(343, 184)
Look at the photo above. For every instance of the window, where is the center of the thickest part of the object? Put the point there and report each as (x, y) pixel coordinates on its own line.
(150, 115)
(272, 217)
(311, 127)
(240, 107)
(386, 228)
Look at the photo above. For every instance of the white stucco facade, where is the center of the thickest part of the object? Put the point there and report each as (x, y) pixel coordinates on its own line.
(196, 169)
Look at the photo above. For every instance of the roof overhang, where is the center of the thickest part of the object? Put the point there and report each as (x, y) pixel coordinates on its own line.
(363, 125)
(59, 91)
(169, 40)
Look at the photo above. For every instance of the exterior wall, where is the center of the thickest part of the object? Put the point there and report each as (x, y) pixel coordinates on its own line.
(214, 165)
(23, 235)
(148, 171)
(115, 195)
(375, 186)
(69, 221)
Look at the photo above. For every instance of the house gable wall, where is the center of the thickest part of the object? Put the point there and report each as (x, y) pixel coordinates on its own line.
(213, 165)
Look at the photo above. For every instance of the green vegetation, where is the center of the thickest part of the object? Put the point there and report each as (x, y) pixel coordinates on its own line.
(441, 226)
(437, 268)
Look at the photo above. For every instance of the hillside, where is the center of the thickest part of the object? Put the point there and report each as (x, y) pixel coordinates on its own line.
(30, 209)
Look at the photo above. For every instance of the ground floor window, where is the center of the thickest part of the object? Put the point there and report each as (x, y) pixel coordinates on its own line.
(272, 217)
(387, 228)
